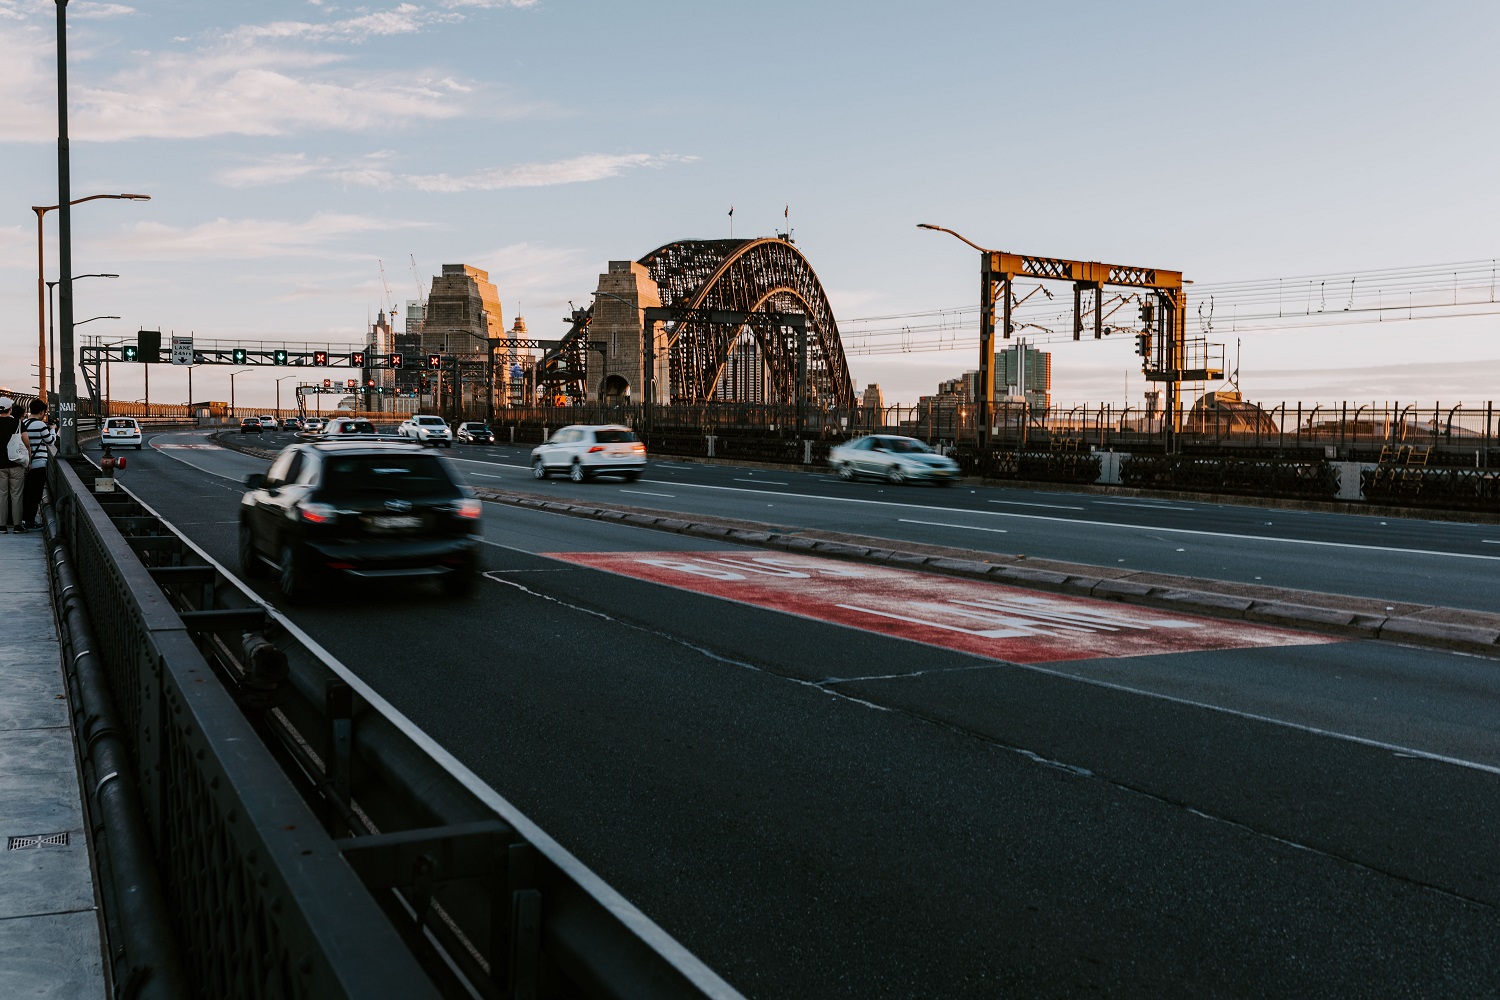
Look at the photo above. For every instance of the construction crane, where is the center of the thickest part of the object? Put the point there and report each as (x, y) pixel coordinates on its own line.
(417, 277)
(390, 299)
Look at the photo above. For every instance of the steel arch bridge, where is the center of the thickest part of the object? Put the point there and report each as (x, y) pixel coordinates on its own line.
(767, 275)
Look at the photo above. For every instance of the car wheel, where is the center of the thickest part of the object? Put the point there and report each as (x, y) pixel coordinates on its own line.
(631, 477)
(895, 476)
(846, 472)
(251, 564)
(538, 468)
(576, 473)
(293, 581)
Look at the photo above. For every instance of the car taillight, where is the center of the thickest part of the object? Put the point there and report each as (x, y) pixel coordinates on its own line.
(597, 447)
(637, 447)
(468, 508)
(318, 513)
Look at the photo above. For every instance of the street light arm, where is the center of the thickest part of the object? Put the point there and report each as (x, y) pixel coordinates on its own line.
(943, 229)
(42, 209)
(80, 322)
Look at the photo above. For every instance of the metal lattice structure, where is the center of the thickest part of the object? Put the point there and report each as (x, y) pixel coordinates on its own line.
(767, 275)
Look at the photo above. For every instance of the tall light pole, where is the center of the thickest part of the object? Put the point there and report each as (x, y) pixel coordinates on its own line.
(986, 329)
(51, 373)
(278, 393)
(67, 387)
(231, 388)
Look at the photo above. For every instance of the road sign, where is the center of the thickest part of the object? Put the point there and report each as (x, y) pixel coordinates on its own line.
(182, 350)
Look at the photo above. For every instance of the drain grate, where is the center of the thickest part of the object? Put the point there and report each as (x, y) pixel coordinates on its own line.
(39, 840)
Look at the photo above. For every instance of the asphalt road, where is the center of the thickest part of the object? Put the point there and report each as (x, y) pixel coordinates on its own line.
(826, 811)
(1402, 560)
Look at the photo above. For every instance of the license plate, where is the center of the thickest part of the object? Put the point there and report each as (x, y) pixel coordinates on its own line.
(395, 523)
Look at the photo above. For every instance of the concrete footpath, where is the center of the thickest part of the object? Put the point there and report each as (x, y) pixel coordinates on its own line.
(50, 942)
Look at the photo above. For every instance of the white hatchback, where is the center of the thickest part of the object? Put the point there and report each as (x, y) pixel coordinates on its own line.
(584, 451)
(426, 429)
(121, 432)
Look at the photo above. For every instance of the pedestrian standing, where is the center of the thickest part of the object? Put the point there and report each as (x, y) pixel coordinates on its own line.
(40, 440)
(12, 472)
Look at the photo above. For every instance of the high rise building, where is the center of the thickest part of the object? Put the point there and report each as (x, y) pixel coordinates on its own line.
(1023, 370)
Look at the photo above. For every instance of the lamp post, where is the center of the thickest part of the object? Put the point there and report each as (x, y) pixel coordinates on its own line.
(231, 388)
(278, 393)
(51, 354)
(986, 330)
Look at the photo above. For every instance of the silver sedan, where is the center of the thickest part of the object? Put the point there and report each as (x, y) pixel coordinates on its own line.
(893, 458)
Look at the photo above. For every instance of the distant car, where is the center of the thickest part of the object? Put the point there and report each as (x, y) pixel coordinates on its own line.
(250, 425)
(426, 429)
(268, 422)
(347, 425)
(368, 509)
(473, 432)
(893, 458)
(584, 451)
(313, 424)
(121, 432)
(291, 424)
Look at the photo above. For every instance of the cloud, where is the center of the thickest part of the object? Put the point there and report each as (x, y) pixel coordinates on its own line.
(248, 239)
(258, 80)
(372, 171)
(98, 11)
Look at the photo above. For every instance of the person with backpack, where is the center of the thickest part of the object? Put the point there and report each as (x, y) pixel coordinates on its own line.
(40, 440)
(12, 467)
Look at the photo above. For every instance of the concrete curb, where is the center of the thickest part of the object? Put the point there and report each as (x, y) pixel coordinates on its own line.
(1332, 614)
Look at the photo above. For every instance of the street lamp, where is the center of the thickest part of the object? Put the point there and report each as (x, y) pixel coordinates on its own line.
(231, 388)
(51, 334)
(278, 393)
(986, 330)
(42, 210)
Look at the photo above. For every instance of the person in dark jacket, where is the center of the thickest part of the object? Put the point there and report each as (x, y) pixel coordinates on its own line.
(12, 474)
(40, 438)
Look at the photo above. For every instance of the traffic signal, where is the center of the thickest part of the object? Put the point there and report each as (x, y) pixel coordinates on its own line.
(238, 355)
(369, 383)
(328, 383)
(353, 383)
(397, 360)
(278, 357)
(320, 358)
(434, 361)
(1143, 344)
(130, 353)
(357, 359)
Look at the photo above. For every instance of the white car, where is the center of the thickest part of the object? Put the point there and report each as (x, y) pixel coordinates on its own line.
(426, 429)
(893, 458)
(121, 432)
(584, 451)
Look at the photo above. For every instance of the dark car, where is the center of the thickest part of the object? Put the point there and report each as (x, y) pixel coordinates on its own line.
(250, 425)
(348, 425)
(291, 424)
(474, 432)
(366, 509)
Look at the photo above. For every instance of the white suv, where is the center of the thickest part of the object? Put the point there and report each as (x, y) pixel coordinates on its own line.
(121, 432)
(427, 430)
(584, 451)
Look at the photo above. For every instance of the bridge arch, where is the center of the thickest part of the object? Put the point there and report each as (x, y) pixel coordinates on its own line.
(753, 275)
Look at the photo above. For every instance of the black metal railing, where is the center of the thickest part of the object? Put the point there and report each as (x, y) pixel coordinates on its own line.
(311, 841)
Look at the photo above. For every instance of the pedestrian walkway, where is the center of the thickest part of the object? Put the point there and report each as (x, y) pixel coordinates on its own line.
(49, 921)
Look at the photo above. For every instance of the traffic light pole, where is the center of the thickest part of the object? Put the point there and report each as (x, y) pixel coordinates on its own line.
(67, 408)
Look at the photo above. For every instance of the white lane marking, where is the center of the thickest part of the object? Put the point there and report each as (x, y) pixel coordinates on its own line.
(477, 461)
(1490, 541)
(1079, 520)
(1140, 506)
(211, 472)
(487, 475)
(768, 482)
(644, 493)
(1022, 503)
(940, 524)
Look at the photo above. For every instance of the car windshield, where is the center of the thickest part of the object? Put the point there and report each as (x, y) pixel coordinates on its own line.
(358, 427)
(122, 423)
(614, 436)
(476, 427)
(906, 446)
(394, 475)
(430, 421)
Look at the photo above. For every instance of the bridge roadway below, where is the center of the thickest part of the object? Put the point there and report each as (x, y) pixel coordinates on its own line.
(820, 810)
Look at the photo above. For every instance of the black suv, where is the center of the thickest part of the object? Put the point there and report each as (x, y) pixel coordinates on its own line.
(365, 509)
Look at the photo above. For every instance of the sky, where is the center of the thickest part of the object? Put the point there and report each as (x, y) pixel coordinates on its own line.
(290, 145)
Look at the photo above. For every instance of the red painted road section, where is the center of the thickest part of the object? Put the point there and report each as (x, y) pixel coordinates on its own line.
(989, 619)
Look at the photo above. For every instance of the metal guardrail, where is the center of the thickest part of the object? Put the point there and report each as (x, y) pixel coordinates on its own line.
(312, 842)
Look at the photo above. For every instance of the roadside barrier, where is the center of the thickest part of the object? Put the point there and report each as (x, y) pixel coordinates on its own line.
(310, 841)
